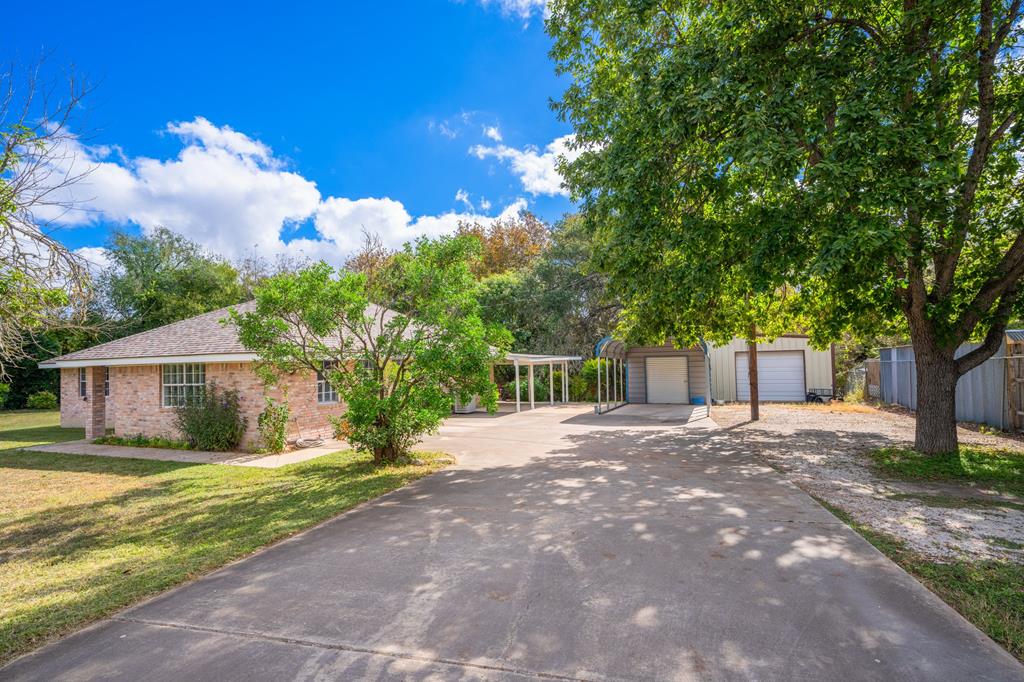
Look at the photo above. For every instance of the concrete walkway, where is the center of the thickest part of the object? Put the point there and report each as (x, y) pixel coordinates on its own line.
(242, 459)
(559, 547)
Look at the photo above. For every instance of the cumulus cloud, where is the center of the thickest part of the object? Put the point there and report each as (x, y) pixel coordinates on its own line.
(537, 170)
(493, 133)
(228, 192)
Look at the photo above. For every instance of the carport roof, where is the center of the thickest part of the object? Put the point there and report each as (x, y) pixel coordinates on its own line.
(535, 359)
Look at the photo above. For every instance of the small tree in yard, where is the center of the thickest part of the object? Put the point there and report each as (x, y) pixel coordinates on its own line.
(398, 343)
(864, 156)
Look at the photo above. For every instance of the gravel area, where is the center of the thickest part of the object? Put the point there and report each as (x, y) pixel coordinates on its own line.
(823, 449)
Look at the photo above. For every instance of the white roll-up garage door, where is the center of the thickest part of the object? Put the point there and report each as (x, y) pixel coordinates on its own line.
(667, 380)
(780, 376)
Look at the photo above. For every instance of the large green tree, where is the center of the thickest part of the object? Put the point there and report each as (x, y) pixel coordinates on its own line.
(556, 302)
(162, 277)
(399, 343)
(856, 163)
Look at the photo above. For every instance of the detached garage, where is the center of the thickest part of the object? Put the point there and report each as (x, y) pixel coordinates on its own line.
(663, 375)
(787, 369)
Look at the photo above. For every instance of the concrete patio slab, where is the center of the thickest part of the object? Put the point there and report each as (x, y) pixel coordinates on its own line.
(555, 549)
(242, 459)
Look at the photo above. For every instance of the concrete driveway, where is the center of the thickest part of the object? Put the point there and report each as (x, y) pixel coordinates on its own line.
(562, 546)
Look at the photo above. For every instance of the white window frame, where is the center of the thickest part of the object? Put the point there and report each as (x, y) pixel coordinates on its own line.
(106, 382)
(325, 393)
(83, 385)
(180, 382)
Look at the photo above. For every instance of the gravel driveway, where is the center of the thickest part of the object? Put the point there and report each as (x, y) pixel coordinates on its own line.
(822, 449)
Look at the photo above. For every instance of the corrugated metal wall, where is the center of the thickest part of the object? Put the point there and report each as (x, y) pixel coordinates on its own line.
(817, 364)
(637, 370)
(980, 394)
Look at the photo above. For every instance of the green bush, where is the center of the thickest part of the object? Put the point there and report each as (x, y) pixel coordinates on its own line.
(5, 389)
(213, 421)
(273, 425)
(42, 400)
(140, 441)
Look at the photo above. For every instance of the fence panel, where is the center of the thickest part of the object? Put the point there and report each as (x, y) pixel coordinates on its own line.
(981, 395)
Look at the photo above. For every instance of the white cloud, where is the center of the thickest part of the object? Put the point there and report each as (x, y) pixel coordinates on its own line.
(462, 196)
(485, 204)
(523, 9)
(493, 133)
(95, 258)
(537, 170)
(228, 192)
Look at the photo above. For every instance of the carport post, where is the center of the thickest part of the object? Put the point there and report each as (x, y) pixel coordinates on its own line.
(615, 379)
(607, 385)
(516, 364)
(551, 383)
(529, 381)
(599, 384)
(565, 381)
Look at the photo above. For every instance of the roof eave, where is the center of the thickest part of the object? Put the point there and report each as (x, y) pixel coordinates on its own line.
(57, 363)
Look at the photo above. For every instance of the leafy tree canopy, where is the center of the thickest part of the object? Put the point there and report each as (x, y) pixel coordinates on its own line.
(163, 277)
(507, 243)
(400, 344)
(855, 164)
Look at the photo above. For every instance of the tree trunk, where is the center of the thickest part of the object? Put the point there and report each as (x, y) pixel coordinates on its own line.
(755, 398)
(387, 454)
(936, 400)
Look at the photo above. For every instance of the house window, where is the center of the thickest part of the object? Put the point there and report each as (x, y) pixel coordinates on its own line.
(82, 385)
(183, 383)
(325, 393)
(106, 381)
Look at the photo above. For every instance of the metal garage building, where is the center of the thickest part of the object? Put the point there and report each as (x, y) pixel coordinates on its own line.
(787, 369)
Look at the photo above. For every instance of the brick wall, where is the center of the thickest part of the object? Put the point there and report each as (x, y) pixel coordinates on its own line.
(73, 408)
(135, 390)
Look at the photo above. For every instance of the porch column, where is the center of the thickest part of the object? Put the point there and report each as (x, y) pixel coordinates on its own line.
(529, 382)
(551, 383)
(515, 363)
(96, 409)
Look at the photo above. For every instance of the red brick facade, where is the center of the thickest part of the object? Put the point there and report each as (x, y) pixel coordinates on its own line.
(134, 403)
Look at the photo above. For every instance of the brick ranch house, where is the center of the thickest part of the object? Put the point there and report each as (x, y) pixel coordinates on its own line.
(133, 384)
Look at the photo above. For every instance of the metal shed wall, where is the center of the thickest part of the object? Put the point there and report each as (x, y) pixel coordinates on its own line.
(817, 364)
(980, 394)
(637, 369)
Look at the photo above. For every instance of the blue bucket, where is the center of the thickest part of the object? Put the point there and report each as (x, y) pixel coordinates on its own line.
(697, 400)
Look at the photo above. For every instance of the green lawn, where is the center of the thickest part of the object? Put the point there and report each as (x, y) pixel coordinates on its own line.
(81, 537)
(1001, 469)
(990, 594)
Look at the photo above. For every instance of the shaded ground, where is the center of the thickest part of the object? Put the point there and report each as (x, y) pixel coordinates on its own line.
(823, 450)
(557, 548)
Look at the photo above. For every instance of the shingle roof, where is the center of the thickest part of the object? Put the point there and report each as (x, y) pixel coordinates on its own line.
(200, 335)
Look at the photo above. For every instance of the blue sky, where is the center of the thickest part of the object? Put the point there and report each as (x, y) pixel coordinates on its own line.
(289, 129)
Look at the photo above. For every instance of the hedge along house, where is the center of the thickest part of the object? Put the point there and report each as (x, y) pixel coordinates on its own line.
(132, 385)
(663, 375)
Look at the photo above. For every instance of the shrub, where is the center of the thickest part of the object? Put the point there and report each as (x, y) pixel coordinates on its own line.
(5, 389)
(273, 425)
(213, 421)
(140, 441)
(42, 400)
(342, 429)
